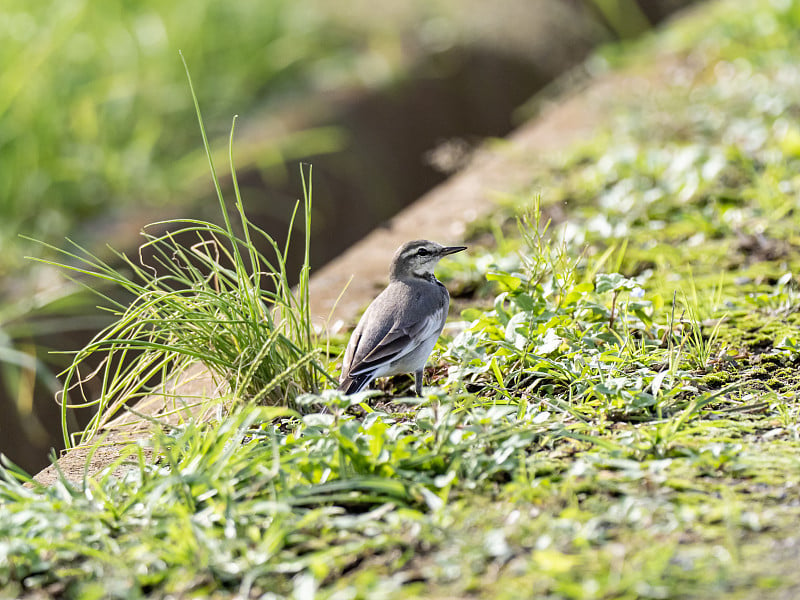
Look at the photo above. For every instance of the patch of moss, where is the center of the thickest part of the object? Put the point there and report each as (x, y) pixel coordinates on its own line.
(716, 379)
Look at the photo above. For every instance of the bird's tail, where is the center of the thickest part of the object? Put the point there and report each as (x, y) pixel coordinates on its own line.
(355, 383)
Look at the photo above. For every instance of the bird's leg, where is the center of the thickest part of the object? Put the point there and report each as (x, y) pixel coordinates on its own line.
(418, 382)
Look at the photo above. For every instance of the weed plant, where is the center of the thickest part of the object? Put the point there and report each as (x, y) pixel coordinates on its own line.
(220, 302)
(572, 337)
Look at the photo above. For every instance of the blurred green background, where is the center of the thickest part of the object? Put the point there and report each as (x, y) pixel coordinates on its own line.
(94, 104)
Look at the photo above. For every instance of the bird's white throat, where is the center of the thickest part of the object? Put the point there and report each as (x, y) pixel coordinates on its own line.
(426, 274)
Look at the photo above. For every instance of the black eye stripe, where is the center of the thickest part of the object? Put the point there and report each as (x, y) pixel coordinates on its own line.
(417, 251)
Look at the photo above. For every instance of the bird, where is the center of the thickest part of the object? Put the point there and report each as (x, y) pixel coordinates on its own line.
(397, 332)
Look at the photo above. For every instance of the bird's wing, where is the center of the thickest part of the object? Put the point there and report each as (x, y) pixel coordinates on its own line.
(401, 339)
(347, 361)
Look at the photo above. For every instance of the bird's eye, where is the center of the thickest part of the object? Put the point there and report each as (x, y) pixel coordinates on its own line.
(423, 252)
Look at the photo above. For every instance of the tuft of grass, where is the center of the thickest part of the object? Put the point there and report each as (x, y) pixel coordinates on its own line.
(218, 301)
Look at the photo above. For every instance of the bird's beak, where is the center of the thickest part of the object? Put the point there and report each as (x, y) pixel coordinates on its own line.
(452, 249)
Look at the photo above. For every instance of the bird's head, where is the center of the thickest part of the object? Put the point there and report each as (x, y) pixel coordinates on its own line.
(419, 258)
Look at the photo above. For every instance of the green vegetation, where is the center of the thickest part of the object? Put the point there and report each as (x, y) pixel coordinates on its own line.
(94, 113)
(620, 421)
(202, 303)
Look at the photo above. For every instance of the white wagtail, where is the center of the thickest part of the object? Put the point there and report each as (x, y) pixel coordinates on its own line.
(399, 329)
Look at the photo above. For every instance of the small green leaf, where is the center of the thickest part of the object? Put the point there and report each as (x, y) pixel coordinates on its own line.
(497, 374)
(508, 282)
(606, 282)
(550, 343)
